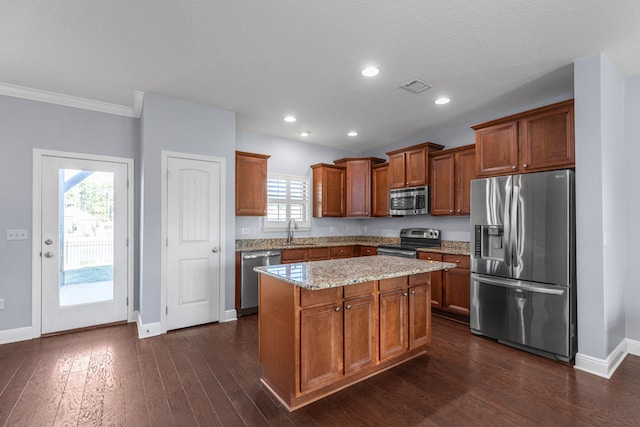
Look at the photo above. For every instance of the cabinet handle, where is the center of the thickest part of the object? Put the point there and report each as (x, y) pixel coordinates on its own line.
(337, 309)
(513, 167)
(348, 307)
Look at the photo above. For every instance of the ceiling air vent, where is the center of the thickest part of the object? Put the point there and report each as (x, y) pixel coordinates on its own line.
(415, 86)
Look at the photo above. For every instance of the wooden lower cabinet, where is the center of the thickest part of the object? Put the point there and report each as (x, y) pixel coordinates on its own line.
(320, 346)
(314, 343)
(436, 279)
(457, 285)
(359, 333)
(368, 250)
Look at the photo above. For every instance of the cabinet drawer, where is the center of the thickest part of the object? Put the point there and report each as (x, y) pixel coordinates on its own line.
(293, 255)
(368, 250)
(342, 251)
(365, 288)
(462, 261)
(316, 254)
(393, 283)
(419, 279)
(430, 256)
(322, 296)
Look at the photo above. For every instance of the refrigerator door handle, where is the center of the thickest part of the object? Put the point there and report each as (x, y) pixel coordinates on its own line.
(507, 225)
(517, 284)
(513, 218)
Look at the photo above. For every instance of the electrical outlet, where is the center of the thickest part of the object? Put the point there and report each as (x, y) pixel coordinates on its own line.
(245, 230)
(17, 234)
(1, 303)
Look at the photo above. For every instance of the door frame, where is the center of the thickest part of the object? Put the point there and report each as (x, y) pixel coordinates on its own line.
(36, 227)
(165, 155)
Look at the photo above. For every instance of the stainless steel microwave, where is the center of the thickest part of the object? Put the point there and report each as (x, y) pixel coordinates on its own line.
(409, 201)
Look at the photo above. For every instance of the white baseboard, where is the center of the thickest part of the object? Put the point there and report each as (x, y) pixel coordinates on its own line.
(230, 315)
(15, 335)
(602, 367)
(633, 347)
(149, 329)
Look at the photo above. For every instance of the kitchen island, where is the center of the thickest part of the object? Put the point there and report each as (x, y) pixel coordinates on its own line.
(326, 325)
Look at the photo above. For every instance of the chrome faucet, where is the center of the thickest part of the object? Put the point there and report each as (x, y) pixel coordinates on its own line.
(290, 231)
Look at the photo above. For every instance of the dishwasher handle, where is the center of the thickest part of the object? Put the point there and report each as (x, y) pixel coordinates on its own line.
(260, 255)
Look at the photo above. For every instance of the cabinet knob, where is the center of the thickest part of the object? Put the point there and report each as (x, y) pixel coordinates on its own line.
(413, 292)
(525, 165)
(513, 167)
(337, 309)
(458, 211)
(457, 261)
(450, 210)
(348, 307)
(404, 294)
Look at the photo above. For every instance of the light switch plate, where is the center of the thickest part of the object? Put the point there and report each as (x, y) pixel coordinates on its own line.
(17, 234)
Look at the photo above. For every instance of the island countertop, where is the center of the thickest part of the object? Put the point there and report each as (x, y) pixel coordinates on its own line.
(348, 271)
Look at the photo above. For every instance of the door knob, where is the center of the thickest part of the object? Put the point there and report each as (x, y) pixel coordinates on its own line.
(214, 250)
(48, 242)
(48, 254)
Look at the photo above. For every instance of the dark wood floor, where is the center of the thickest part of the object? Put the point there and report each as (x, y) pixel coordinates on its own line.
(209, 375)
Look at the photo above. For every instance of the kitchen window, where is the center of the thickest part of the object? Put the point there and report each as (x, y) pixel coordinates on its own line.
(288, 197)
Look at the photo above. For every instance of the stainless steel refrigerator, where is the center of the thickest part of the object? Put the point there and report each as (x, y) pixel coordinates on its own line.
(523, 289)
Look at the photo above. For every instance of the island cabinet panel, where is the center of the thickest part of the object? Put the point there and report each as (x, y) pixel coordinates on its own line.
(419, 319)
(393, 323)
(359, 333)
(321, 347)
(435, 279)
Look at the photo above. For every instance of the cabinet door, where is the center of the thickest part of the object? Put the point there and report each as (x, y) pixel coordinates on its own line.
(393, 323)
(358, 188)
(547, 140)
(457, 285)
(465, 172)
(320, 347)
(333, 194)
(359, 333)
(416, 167)
(317, 254)
(443, 184)
(380, 191)
(397, 177)
(497, 149)
(251, 184)
(419, 316)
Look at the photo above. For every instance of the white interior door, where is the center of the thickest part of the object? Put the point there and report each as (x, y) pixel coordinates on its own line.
(84, 223)
(193, 242)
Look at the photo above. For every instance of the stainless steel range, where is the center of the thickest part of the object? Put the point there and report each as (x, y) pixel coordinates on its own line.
(410, 240)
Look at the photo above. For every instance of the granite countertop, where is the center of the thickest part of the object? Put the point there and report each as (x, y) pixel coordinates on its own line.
(448, 246)
(348, 271)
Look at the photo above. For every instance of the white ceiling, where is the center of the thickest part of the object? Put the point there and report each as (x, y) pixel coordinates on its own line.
(267, 59)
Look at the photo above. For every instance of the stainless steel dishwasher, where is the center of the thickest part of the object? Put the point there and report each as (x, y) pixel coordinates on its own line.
(249, 278)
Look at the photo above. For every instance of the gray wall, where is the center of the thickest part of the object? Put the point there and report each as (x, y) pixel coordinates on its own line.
(25, 125)
(173, 125)
(632, 178)
(600, 203)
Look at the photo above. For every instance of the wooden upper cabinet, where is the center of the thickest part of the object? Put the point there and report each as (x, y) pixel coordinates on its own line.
(328, 190)
(409, 167)
(451, 174)
(380, 190)
(358, 185)
(536, 140)
(251, 184)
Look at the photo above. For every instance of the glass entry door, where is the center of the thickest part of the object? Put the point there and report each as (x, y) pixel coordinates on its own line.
(84, 243)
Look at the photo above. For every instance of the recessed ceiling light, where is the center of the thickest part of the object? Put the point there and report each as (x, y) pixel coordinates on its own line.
(352, 133)
(370, 72)
(290, 119)
(442, 101)
(305, 133)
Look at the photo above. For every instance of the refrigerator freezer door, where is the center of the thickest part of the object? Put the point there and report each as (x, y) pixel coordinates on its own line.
(523, 313)
(542, 227)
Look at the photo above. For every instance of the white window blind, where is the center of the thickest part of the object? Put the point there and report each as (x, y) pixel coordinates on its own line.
(288, 197)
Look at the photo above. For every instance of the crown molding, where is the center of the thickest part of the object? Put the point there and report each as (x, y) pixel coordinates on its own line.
(74, 101)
